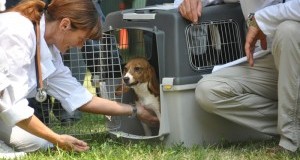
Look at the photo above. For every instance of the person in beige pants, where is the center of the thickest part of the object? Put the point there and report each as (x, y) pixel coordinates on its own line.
(264, 95)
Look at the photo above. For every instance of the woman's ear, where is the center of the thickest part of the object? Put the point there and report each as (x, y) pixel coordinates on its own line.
(65, 24)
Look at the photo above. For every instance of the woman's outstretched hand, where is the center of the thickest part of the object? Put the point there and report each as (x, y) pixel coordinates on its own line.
(69, 143)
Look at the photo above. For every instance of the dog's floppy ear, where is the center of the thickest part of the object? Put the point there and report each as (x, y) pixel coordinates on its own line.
(121, 89)
(153, 84)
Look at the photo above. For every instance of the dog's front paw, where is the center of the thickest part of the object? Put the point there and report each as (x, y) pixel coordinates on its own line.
(147, 129)
(121, 89)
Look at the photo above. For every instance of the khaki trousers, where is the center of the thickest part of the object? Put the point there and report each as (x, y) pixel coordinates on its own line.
(264, 97)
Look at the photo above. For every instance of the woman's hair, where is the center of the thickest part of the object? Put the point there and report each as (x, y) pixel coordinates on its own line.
(82, 13)
(32, 9)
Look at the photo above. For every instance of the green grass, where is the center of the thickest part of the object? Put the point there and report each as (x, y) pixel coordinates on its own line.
(88, 124)
(102, 147)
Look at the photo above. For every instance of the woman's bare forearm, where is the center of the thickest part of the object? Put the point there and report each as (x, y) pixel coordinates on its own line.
(34, 126)
(106, 107)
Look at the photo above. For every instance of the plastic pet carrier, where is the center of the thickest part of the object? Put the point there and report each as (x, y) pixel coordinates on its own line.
(181, 53)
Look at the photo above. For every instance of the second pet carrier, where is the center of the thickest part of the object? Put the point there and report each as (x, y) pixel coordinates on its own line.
(97, 66)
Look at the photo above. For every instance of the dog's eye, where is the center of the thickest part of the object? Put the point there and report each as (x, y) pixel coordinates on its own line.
(137, 69)
(125, 69)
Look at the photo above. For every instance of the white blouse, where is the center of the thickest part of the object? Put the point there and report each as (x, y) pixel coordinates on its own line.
(17, 52)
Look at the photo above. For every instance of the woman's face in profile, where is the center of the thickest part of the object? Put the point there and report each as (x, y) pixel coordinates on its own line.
(71, 39)
(67, 37)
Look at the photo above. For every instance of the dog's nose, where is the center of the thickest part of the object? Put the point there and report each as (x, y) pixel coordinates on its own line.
(126, 80)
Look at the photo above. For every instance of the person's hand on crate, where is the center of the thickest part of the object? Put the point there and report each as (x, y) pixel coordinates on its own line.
(191, 9)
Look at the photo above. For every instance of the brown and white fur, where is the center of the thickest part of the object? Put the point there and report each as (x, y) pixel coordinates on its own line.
(141, 77)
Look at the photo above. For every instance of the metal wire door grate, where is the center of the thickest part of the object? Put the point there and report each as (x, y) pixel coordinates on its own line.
(213, 43)
(97, 66)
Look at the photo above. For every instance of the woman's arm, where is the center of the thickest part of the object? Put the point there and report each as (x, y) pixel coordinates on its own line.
(107, 107)
(24, 118)
(34, 126)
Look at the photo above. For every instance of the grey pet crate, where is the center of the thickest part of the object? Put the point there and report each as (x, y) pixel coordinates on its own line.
(181, 53)
(97, 66)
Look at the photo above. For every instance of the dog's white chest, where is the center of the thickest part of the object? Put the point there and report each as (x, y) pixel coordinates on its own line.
(149, 101)
(145, 97)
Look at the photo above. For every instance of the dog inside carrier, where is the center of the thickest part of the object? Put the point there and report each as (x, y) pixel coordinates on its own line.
(181, 53)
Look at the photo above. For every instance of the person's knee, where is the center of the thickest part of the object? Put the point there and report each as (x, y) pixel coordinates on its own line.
(27, 142)
(286, 41)
(287, 29)
(203, 96)
(33, 146)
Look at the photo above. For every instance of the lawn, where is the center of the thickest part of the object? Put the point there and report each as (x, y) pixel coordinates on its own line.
(103, 147)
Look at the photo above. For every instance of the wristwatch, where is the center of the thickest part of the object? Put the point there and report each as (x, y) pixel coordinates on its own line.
(134, 112)
(251, 21)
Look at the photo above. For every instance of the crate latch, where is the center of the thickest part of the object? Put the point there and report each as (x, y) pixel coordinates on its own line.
(167, 84)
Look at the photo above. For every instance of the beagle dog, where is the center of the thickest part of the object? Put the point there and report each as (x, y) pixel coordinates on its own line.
(140, 76)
